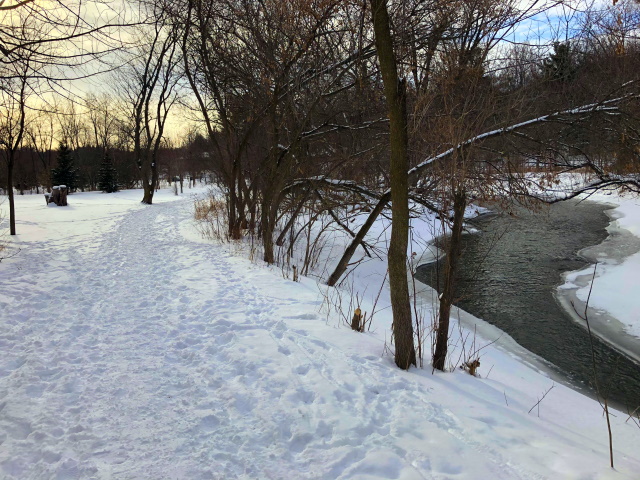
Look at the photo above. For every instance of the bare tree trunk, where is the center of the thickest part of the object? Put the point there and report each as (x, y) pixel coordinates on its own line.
(357, 240)
(147, 188)
(267, 226)
(450, 268)
(149, 177)
(395, 93)
(253, 206)
(147, 197)
(12, 207)
(241, 204)
(234, 231)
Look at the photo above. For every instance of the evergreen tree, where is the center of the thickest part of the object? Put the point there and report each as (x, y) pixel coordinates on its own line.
(65, 173)
(561, 63)
(107, 176)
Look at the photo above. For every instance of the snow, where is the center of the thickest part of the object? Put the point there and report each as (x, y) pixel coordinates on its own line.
(614, 301)
(615, 290)
(131, 348)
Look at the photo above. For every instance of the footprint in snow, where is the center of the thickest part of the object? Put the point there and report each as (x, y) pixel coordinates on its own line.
(209, 423)
(284, 350)
(304, 316)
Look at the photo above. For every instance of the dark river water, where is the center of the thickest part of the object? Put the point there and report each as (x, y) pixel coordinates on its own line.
(508, 277)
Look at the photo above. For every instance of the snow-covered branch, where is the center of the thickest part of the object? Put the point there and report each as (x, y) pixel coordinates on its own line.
(332, 127)
(334, 184)
(604, 106)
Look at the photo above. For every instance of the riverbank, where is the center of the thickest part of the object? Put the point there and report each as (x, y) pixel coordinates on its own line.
(613, 294)
(508, 275)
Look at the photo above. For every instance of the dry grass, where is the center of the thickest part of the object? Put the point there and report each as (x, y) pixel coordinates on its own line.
(210, 214)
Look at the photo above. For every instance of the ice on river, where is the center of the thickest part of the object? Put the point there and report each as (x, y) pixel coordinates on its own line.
(614, 293)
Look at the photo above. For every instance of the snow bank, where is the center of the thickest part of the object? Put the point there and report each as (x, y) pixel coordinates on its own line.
(614, 300)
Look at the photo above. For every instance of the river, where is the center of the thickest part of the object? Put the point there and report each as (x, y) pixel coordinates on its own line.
(509, 276)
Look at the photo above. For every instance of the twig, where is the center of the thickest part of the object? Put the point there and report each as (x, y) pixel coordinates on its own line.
(489, 372)
(540, 400)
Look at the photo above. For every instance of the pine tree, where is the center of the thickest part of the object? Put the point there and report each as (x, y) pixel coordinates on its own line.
(65, 173)
(107, 176)
(561, 64)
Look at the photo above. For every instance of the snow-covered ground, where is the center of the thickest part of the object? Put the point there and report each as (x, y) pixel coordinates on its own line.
(131, 348)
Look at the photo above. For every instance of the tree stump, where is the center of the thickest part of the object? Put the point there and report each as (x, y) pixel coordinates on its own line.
(63, 196)
(58, 196)
(55, 195)
(356, 321)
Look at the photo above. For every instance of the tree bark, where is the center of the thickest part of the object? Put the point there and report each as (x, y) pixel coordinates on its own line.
(12, 207)
(63, 196)
(55, 195)
(395, 93)
(452, 256)
(252, 208)
(147, 188)
(267, 226)
(149, 176)
(234, 230)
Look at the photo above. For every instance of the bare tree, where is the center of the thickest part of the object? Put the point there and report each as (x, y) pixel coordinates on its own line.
(12, 128)
(55, 36)
(41, 137)
(14, 93)
(149, 85)
(267, 82)
(102, 119)
(395, 93)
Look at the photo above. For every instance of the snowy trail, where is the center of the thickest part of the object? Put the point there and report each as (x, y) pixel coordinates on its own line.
(147, 355)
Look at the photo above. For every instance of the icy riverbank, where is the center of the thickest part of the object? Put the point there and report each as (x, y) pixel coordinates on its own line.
(614, 298)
